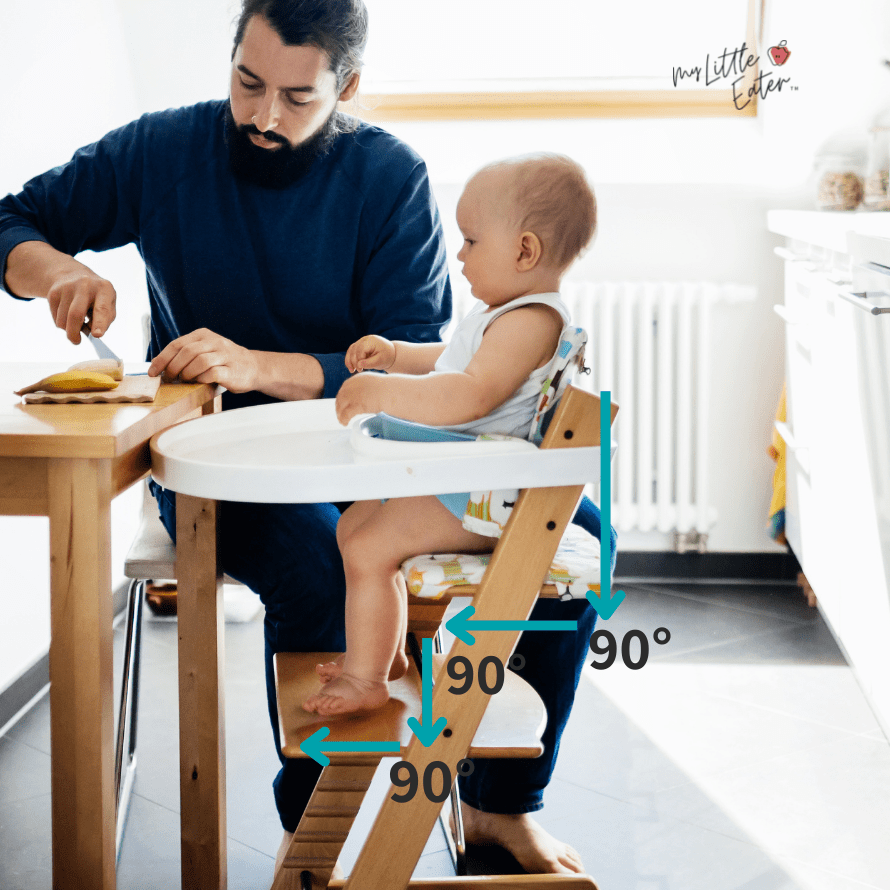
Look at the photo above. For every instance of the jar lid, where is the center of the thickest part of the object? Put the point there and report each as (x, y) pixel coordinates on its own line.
(846, 147)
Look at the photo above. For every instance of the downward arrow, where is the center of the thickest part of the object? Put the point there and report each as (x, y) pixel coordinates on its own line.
(605, 602)
(425, 729)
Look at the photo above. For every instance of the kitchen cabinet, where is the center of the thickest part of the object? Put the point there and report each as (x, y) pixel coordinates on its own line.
(836, 310)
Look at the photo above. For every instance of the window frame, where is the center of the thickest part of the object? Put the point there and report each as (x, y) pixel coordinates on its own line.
(384, 106)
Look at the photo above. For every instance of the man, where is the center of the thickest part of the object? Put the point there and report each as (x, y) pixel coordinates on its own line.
(275, 232)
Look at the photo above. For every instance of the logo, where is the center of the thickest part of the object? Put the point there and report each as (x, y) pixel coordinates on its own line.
(735, 64)
(779, 54)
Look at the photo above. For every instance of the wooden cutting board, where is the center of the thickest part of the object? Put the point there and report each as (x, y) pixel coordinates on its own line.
(138, 388)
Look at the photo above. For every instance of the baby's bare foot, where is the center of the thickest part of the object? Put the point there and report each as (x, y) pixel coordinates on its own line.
(347, 695)
(332, 669)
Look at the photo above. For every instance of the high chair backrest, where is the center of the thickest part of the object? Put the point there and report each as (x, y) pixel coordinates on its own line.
(570, 356)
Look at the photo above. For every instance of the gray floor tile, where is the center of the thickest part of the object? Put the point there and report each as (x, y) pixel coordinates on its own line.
(661, 729)
(694, 624)
(152, 839)
(32, 729)
(820, 693)
(26, 844)
(783, 601)
(24, 772)
(799, 644)
(634, 848)
(826, 806)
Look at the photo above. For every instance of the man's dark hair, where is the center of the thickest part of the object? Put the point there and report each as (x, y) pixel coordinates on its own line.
(337, 27)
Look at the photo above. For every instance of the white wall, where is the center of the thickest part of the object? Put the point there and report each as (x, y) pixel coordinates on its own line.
(679, 199)
(687, 200)
(66, 81)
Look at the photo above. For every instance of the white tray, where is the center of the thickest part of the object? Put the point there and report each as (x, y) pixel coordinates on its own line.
(297, 452)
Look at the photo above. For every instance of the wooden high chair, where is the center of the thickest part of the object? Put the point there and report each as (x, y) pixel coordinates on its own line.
(506, 724)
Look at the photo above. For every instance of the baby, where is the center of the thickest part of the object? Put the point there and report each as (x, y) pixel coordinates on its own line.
(524, 220)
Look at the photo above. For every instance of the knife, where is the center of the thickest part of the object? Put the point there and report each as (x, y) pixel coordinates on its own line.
(101, 349)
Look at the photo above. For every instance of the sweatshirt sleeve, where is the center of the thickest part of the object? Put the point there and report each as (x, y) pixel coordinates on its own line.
(90, 203)
(404, 291)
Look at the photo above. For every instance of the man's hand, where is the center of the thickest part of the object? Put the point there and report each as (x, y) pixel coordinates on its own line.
(78, 294)
(373, 352)
(205, 357)
(360, 395)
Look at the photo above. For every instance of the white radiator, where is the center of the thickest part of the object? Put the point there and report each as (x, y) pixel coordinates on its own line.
(649, 346)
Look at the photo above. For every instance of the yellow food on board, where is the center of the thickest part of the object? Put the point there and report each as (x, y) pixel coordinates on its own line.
(114, 368)
(72, 381)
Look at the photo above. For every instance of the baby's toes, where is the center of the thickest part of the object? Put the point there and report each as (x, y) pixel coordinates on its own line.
(311, 703)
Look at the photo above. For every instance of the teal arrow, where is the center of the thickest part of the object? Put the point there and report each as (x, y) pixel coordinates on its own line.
(427, 731)
(313, 745)
(607, 602)
(460, 625)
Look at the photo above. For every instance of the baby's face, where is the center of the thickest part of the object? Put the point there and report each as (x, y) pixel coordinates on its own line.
(491, 247)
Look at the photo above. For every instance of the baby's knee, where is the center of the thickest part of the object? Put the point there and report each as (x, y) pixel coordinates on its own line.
(367, 550)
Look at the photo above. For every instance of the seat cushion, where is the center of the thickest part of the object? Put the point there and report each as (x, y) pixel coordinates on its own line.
(574, 571)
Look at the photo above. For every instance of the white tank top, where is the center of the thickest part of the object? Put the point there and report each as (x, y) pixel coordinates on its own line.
(513, 417)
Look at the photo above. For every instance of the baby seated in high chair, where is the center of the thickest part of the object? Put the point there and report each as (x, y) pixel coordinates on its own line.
(524, 220)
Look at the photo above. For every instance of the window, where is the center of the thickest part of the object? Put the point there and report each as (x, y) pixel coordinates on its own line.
(485, 59)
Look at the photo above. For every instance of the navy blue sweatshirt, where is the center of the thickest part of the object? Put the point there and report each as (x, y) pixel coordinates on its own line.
(354, 247)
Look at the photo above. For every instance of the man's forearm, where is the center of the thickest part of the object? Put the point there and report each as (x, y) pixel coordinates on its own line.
(32, 268)
(289, 376)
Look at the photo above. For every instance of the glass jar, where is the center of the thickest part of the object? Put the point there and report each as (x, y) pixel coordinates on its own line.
(877, 173)
(838, 180)
(877, 169)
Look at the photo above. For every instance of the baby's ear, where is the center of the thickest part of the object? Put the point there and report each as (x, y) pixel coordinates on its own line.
(530, 252)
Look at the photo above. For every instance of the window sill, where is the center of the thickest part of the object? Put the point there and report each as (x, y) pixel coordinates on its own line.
(553, 104)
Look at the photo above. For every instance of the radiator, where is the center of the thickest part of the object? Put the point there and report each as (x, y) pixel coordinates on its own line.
(649, 346)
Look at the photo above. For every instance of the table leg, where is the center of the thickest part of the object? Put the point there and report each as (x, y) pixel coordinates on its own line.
(202, 773)
(81, 675)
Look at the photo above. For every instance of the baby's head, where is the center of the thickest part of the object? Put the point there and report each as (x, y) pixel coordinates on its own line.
(525, 220)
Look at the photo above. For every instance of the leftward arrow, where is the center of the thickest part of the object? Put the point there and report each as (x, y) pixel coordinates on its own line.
(461, 625)
(312, 747)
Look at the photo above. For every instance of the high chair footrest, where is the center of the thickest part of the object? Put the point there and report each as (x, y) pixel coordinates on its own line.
(495, 882)
(512, 726)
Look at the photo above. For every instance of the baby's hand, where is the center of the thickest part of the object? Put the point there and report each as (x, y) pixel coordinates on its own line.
(360, 395)
(371, 352)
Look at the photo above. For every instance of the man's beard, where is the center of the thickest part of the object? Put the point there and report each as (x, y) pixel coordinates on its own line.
(275, 168)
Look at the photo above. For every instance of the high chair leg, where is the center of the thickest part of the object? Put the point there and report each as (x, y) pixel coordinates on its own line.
(454, 833)
(326, 822)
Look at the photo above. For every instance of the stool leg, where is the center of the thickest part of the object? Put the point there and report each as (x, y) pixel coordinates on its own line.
(124, 774)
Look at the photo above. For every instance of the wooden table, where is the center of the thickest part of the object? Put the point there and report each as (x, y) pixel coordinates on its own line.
(68, 462)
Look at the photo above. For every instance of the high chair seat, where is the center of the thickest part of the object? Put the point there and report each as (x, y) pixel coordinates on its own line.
(512, 725)
(575, 570)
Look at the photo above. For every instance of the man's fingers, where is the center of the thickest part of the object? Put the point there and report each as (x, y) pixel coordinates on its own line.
(104, 309)
(74, 300)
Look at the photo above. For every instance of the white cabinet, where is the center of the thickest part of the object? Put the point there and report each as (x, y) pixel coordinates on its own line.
(838, 428)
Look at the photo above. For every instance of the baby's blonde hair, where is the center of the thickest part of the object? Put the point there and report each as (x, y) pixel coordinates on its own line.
(552, 198)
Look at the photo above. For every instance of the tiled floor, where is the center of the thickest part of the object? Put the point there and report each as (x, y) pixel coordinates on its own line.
(742, 755)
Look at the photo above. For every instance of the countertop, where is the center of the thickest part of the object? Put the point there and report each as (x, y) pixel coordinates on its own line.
(865, 234)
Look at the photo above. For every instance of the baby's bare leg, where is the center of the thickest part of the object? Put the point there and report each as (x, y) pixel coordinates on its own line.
(376, 607)
(354, 516)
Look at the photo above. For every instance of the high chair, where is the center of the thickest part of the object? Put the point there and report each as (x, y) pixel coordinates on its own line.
(506, 724)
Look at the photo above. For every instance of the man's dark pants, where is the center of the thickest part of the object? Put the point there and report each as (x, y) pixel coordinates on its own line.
(287, 553)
